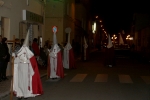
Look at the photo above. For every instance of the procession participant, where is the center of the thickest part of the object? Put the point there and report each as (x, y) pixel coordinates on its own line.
(109, 53)
(68, 57)
(85, 46)
(26, 78)
(55, 65)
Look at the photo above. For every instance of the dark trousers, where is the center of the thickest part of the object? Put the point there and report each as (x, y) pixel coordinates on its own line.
(1, 69)
(109, 57)
(4, 68)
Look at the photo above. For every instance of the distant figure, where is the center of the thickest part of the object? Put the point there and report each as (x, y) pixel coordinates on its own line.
(6, 60)
(2, 57)
(30, 46)
(109, 53)
(68, 58)
(85, 53)
(21, 42)
(35, 47)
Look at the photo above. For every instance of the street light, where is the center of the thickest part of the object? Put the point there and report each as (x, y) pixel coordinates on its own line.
(96, 16)
(100, 21)
(101, 25)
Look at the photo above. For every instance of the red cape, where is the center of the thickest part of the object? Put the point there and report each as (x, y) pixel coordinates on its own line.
(36, 80)
(71, 59)
(60, 71)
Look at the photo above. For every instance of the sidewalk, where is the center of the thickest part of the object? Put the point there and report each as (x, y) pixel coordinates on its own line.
(5, 85)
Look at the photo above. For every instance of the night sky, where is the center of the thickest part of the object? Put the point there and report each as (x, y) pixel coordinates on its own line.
(117, 16)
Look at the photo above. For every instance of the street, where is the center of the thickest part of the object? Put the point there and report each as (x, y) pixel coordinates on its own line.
(128, 80)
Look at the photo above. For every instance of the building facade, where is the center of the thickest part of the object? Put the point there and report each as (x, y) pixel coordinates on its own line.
(141, 33)
(19, 16)
(60, 13)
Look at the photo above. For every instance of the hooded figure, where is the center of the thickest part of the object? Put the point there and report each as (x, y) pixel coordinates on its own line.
(26, 78)
(85, 49)
(109, 53)
(55, 65)
(68, 60)
(121, 42)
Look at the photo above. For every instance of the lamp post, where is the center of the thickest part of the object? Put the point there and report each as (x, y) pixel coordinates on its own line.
(114, 39)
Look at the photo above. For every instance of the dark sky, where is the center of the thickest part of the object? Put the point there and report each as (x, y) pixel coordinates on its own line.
(117, 15)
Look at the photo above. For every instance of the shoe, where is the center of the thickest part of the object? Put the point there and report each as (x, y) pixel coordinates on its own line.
(4, 78)
(19, 99)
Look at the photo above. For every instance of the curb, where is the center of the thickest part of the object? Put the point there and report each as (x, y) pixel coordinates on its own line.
(8, 92)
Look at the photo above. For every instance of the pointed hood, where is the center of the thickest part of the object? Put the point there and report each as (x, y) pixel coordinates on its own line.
(25, 50)
(26, 41)
(55, 48)
(85, 43)
(68, 30)
(54, 39)
(123, 32)
(109, 42)
(69, 37)
(120, 39)
(68, 45)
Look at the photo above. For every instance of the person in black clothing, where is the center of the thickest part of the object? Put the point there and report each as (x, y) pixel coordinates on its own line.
(2, 57)
(6, 60)
(21, 43)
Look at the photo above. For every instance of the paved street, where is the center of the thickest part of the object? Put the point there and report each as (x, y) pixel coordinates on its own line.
(128, 80)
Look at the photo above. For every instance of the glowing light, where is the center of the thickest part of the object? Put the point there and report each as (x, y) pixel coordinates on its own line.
(128, 36)
(100, 21)
(131, 38)
(96, 16)
(94, 27)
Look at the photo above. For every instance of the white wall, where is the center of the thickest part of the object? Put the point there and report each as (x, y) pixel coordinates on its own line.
(13, 9)
(81, 14)
(50, 22)
(54, 17)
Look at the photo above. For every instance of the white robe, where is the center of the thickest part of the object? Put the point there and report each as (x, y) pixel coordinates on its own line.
(53, 61)
(66, 55)
(23, 73)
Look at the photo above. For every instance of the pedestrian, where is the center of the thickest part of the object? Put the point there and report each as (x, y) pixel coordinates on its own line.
(109, 53)
(35, 47)
(21, 42)
(85, 49)
(2, 57)
(6, 60)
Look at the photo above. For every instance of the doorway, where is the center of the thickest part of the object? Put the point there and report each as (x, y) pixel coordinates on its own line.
(5, 27)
